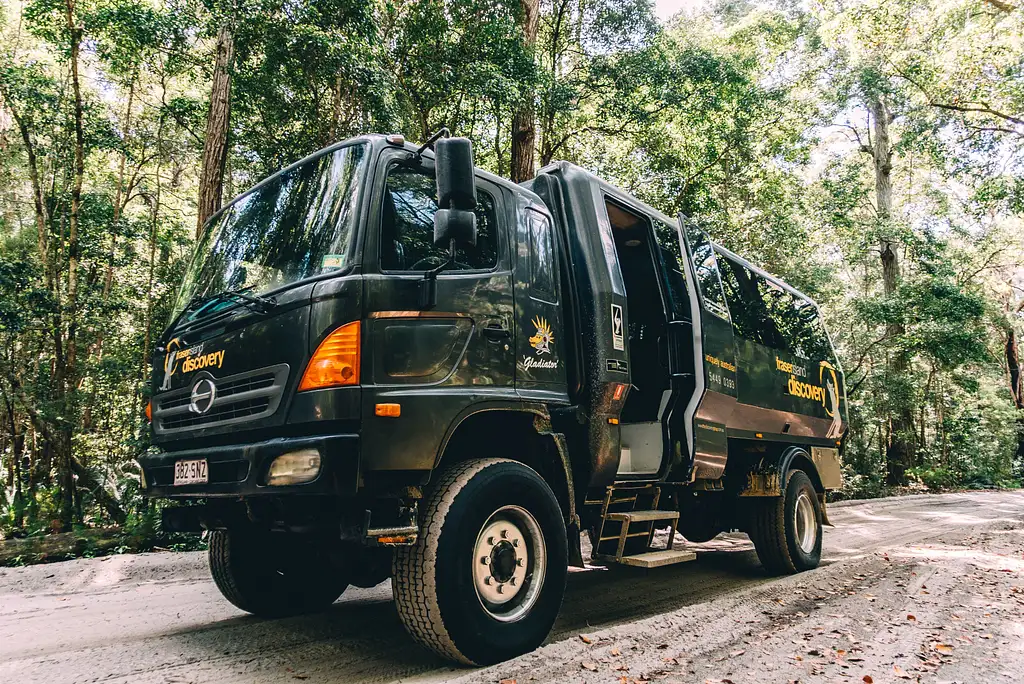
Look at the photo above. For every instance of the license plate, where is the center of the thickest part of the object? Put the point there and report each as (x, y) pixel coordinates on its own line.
(190, 472)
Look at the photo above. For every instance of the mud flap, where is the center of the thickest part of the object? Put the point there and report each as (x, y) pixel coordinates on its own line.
(572, 536)
(824, 511)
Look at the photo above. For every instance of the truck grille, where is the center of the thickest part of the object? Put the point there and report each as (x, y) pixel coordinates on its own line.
(239, 398)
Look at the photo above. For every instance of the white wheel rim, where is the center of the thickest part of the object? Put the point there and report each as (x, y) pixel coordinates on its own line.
(805, 523)
(509, 563)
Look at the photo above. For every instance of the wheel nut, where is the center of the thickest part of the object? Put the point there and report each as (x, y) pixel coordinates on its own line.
(501, 588)
(512, 581)
(487, 581)
(504, 534)
(484, 560)
(519, 562)
(490, 541)
(515, 543)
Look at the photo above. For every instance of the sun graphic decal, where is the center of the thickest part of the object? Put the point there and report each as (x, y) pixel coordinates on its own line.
(544, 337)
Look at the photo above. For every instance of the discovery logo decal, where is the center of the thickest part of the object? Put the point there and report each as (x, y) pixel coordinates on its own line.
(826, 392)
(187, 360)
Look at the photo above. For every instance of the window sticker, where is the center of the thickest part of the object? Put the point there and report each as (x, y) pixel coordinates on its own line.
(332, 261)
(618, 339)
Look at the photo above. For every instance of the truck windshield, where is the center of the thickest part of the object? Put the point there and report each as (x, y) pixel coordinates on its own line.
(298, 225)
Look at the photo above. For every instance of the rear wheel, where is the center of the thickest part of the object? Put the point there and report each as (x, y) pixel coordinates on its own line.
(485, 579)
(273, 574)
(787, 530)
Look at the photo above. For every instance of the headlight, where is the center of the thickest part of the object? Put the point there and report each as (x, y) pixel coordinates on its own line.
(295, 467)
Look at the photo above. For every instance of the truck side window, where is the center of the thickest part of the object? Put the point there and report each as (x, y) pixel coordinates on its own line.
(542, 258)
(780, 326)
(706, 269)
(672, 263)
(810, 339)
(407, 226)
(744, 300)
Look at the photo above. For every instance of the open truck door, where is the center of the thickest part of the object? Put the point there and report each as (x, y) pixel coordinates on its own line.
(714, 396)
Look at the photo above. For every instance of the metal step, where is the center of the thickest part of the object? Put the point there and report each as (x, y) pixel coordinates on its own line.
(643, 516)
(655, 559)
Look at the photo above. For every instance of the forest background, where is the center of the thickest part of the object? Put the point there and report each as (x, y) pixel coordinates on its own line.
(867, 151)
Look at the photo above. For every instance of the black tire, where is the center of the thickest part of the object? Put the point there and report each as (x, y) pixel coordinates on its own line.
(774, 529)
(435, 583)
(272, 575)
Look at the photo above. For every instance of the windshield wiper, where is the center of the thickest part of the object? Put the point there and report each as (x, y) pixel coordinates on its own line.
(241, 295)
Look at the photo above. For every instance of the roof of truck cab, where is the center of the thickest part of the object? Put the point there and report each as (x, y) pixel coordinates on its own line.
(378, 142)
(630, 200)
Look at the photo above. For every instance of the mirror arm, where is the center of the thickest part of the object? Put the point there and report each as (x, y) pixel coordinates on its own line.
(428, 286)
(443, 133)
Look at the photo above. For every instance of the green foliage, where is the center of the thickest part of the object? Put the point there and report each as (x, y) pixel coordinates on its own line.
(752, 118)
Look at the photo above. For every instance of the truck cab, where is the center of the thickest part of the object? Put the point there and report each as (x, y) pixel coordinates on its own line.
(386, 362)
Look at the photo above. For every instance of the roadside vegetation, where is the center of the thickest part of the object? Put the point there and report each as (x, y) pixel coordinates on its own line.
(870, 153)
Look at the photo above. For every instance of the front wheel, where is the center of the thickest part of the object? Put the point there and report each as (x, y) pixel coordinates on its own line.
(786, 530)
(485, 579)
(273, 574)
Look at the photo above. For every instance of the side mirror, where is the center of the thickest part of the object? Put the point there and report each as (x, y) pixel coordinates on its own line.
(456, 192)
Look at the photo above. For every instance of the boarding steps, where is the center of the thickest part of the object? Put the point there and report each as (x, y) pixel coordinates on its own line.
(622, 520)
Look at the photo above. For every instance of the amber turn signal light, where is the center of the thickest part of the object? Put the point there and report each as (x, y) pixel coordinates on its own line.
(335, 362)
(149, 411)
(388, 410)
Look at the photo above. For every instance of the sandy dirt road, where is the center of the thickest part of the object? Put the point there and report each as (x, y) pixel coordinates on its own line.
(924, 588)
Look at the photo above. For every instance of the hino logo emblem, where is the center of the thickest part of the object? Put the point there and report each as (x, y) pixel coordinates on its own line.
(203, 394)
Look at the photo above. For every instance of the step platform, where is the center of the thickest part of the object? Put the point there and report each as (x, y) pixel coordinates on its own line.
(656, 559)
(643, 516)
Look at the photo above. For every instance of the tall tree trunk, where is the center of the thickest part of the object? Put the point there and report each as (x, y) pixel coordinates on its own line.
(17, 453)
(67, 382)
(1016, 385)
(215, 145)
(524, 123)
(900, 452)
(153, 225)
(1013, 366)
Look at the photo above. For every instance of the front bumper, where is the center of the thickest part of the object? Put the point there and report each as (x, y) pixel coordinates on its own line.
(239, 469)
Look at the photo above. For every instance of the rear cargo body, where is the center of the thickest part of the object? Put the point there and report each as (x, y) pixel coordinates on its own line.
(385, 362)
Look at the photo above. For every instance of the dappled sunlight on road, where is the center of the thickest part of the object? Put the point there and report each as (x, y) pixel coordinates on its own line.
(988, 561)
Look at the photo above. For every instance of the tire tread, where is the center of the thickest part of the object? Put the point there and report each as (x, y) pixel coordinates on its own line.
(769, 535)
(414, 579)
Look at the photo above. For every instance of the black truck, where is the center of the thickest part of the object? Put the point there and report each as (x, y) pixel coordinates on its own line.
(385, 362)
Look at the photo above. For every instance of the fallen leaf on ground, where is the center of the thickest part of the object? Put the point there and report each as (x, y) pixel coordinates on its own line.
(943, 648)
(867, 678)
(589, 666)
(507, 681)
(911, 617)
(615, 652)
(585, 639)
